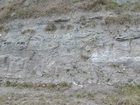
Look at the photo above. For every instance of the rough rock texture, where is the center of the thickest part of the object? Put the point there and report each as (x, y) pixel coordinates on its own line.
(104, 54)
(124, 1)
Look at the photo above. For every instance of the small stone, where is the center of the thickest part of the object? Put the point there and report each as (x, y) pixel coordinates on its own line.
(87, 48)
(39, 73)
(27, 3)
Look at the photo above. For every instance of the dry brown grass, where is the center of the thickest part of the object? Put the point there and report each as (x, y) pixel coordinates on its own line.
(16, 9)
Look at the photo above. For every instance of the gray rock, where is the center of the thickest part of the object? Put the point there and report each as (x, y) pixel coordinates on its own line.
(27, 3)
(87, 56)
(125, 1)
(39, 73)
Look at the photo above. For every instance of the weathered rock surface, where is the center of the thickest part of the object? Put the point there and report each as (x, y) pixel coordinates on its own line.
(92, 55)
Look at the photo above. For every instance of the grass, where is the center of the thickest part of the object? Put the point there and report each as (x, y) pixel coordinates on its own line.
(64, 84)
(28, 31)
(50, 27)
(112, 5)
(115, 65)
(121, 19)
(136, 21)
(117, 8)
(62, 26)
(98, 8)
(108, 80)
(136, 9)
(51, 86)
(74, 67)
(89, 94)
(19, 85)
(82, 18)
(127, 95)
(14, 10)
(8, 83)
(69, 26)
(67, 70)
(3, 28)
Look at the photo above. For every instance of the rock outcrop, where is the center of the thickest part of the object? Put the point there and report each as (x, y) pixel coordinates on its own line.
(100, 54)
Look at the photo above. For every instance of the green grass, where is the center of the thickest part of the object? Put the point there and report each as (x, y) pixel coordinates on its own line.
(8, 83)
(112, 5)
(108, 80)
(127, 95)
(121, 19)
(136, 21)
(64, 84)
(51, 86)
(115, 65)
(89, 94)
(115, 7)
(136, 9)
(19, 85)
(67, 70)
(3, 28)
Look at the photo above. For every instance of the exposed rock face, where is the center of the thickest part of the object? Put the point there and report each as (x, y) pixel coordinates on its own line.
(124, 1)
(84, 55)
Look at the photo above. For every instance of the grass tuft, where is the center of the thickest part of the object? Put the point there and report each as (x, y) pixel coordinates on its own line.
(127, 95)
(122, 19)
(50, 27)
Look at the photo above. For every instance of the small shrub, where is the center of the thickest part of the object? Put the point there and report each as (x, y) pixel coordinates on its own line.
(50, 27)
(112, 5)
(67, 70)
(108, 80)
(64, 84)
(115, 66)
(2, 27)
(25, 85)
(122, 19)
(90, 94)
(28, 31)
(6, 29)
(103, 2)
(82, 18)
(75, 1)
(74, 66)
(110, 20)
(69, 26)
(98, 8)
(136, 21)
(62, 26)
(8, 83)
(94, 4)
(83, 23)
(78, 96)
(136, 8)
(51, 85)
(52, 10)
(20, 25)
